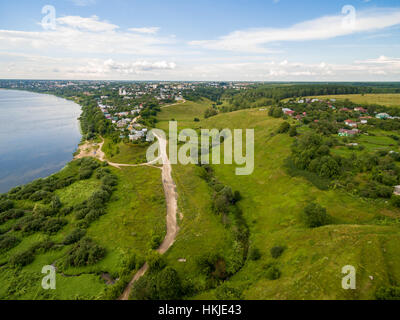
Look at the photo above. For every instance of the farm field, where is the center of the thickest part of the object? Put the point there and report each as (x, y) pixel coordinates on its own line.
(387, 99)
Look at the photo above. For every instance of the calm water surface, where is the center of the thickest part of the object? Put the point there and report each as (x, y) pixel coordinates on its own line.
(38, 135)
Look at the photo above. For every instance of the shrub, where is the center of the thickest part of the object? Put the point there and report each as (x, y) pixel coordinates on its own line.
(396, 201)
(8, 242)
(155, 242)
(388, 293)
(6, 205)
(168, 285)
(155, 261)
(226, 292)
(66, 211)
(315, 216)
(272, 272)
(10, 215)
(254, 254)
(293, 131)
(277, 251)
(74, 236)
(144, 289)
(284, 127)
(85, 252)
(22, 259)
(85, 173)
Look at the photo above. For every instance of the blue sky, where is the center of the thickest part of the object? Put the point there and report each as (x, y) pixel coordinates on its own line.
(267, 40)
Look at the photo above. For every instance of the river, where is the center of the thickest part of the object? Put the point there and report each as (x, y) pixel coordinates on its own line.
(38, 135)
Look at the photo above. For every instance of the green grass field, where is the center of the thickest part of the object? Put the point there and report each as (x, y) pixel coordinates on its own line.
(127, 153)
(387, 99)
(272, 204)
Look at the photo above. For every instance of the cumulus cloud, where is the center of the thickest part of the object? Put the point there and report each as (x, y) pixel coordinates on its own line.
(146, 30)
(328, 27)
(92, 23)
(85, 35)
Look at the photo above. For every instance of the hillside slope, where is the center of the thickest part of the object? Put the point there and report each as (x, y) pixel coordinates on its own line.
(272, 203)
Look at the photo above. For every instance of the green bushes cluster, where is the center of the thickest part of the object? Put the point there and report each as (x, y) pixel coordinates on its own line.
(85, 252)
(8, 242)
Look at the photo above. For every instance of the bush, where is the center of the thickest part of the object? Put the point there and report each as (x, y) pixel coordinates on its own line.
(284, 127)
(254, 254)
(277, 251)
(66, 211)
(74, 236)
(155, 261)
(388, 293)
(144, 289)
(85, 252)
(315, 216)
(272, 272)
(155, 242)
(10, 215)
(6, 205)
(85, 173)
(226, 292)
(168, 285)
(8, 242)
(396, 201)
(293, 131)
(22, 259)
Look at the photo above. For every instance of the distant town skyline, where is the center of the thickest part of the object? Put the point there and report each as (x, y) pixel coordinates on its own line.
(269, 40)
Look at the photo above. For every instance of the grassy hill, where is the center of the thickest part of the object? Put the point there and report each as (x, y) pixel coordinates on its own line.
(365, 233)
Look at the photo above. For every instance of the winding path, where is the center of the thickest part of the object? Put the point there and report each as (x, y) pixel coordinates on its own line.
(171, 197)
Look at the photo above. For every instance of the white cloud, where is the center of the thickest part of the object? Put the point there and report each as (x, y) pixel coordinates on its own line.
(79, 35)
(146, 30)
(86, 24)
(328, 27)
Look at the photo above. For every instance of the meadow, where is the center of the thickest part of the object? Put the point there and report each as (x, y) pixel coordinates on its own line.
(364, 233)
(387, 99)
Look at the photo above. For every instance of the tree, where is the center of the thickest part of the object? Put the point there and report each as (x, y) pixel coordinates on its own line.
(293, 131)
(168, 284)
(155, 261)
(284, 127)
(315, 216)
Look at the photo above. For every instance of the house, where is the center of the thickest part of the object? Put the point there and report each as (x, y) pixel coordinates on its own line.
(396, 191)
(351, 123)
(288, 111)
(382, 116)
(360, 109)
(364, 121)
(348, 133)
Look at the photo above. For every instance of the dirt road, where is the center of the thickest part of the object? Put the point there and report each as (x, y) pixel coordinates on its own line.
(172, 209)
